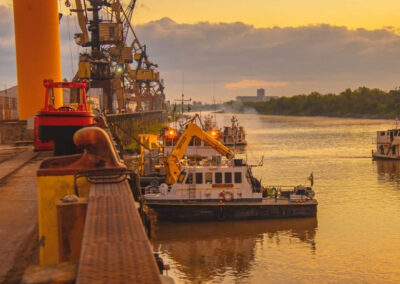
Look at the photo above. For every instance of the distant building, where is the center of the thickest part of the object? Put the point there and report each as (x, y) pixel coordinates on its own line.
(9, 104)
(261, 97)
(260, 93)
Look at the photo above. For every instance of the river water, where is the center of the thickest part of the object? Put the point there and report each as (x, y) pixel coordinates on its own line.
(355, 237)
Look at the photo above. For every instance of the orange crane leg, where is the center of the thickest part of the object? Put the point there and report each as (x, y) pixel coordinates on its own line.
(37, 43)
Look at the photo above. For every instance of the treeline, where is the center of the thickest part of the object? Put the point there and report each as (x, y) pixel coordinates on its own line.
(362, 102)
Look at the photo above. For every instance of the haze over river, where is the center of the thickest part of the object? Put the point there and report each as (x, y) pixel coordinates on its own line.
(355, 237)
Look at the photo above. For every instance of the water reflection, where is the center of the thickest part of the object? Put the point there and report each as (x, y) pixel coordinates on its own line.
(388, 169)
(204, 251)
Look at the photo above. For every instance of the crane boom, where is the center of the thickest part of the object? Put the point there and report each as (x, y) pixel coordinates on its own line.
(83, 38)
(173, 165)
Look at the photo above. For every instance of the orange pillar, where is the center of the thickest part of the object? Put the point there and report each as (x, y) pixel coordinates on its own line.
(37, 43)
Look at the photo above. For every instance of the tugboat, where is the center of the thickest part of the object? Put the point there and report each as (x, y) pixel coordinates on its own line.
(197, 148)
(234, 135)
(387, 145)
(221, 190)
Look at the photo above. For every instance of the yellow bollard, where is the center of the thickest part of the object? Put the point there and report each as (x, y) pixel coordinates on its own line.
(55, 179)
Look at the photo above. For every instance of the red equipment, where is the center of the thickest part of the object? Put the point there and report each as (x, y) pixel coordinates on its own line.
(60, 124)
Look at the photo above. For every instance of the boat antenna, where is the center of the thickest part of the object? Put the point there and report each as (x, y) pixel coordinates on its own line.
(182, 101)
(183, 91)
(215, 114)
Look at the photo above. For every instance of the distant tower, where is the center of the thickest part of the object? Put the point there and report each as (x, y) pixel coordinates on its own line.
(261, 93)
(37, 43)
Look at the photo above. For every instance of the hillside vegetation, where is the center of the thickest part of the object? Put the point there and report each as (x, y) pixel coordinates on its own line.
(362, 102)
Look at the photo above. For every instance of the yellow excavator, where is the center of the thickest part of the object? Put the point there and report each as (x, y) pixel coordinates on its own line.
(173, 165)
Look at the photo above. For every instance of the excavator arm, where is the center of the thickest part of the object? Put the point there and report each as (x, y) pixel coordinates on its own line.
(173, 165)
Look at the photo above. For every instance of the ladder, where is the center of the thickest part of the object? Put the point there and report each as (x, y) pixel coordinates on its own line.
(192, 185)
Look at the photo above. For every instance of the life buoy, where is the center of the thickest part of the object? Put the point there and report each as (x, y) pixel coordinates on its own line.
(228, 196)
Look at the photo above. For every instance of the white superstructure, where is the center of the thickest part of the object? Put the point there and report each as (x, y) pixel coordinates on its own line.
(205, 183)
(387, 145)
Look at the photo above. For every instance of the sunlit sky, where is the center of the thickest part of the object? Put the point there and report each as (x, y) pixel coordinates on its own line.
(369, 14)
(233, 47)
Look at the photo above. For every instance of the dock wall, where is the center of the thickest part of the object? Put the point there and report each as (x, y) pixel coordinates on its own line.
(14, 131)
(123, 125)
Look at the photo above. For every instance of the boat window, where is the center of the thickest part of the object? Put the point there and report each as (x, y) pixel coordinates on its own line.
(181, 176)
(206, 144)
(228, 177)
(195, 141)
(208, 178)
(199, 178)
(238, 177)
(218, 177)
(189, 179)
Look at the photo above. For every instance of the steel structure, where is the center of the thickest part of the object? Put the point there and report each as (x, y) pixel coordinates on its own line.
(117, 62)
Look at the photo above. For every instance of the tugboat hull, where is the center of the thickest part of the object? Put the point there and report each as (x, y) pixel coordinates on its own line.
(385, 157)
(211, 211)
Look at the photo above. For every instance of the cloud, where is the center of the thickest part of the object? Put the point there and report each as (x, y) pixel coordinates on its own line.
(7, 47)
(245, 84)
(317, 57)
(69, 50)
(144, 7)
(235, 58)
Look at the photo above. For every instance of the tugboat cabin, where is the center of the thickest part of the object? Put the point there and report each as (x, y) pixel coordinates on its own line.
(387, 145)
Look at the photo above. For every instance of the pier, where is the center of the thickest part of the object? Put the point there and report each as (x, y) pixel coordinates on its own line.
(115, 248)
(114, 245)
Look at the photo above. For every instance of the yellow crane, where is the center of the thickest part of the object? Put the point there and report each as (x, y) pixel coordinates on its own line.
(173, 165)
(108, 65)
